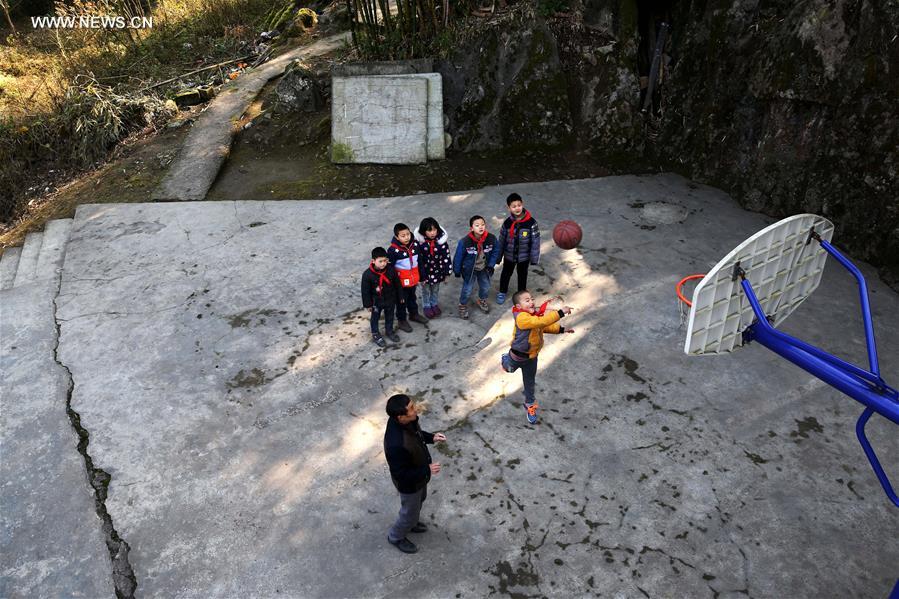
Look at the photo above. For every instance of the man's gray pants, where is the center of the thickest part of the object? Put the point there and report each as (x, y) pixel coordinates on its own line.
(410, 508)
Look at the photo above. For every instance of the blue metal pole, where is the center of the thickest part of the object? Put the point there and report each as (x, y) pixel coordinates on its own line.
(879, 400)
(876, 395)
(844, 381)
(866, 306)
(872, 457)
(820, 353)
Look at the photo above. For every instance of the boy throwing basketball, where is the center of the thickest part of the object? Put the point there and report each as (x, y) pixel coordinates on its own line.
(527, 341)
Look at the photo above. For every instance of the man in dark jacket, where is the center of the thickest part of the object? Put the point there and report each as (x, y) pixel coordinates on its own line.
(410, 467)
(380, 293)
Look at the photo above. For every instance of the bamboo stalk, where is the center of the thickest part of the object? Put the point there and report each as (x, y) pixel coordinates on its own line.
(351, 12)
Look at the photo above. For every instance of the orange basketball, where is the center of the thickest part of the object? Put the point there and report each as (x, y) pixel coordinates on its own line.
(567, 234)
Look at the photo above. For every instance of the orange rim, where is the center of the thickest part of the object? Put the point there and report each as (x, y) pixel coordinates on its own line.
(680, 284)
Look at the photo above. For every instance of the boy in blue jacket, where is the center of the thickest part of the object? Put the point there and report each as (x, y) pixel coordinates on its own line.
(519, 240)
(476, 256)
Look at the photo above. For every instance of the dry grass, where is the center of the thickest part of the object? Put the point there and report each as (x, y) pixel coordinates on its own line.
(67, 96)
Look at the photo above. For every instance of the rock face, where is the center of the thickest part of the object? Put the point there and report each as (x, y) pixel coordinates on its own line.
(300, 90)
(796, 113)
(506, 88)
(789, 106)
(603, 83)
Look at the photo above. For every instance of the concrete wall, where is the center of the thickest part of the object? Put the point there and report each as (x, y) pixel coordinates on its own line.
(378, 118)
(436, 147)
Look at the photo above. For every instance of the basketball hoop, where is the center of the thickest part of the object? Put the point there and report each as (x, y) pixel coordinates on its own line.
(747, 295)
(683, 303)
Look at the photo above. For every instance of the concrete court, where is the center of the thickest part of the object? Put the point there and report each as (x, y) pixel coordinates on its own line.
(223, 368)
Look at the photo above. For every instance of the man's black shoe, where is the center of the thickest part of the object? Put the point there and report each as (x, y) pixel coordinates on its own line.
(420, 527)
(404, 545)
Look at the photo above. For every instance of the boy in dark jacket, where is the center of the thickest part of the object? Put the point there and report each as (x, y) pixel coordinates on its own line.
(403, 255)
(380, 293)
(519, 239)
(476, 256)
(410, 467)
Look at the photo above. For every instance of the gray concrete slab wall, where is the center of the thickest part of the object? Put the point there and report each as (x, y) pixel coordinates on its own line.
(436, 148)
(379, 119)
(224, 369)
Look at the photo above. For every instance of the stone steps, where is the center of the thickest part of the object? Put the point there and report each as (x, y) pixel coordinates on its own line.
(40, 258)
(28, 260)
(8, 265)
(53, 248)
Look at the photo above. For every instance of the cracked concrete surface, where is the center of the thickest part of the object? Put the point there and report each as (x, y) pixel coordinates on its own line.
(52, 543)
(224, 371)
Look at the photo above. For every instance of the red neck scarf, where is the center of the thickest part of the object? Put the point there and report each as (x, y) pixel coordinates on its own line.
(524, 218)
(432, 243)
(383, 279)
(538, 312)
(479, 242)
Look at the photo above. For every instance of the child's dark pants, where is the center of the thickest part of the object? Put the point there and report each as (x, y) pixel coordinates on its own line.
(411, 305)
(528, 374)
(376, 316)
(506, 275)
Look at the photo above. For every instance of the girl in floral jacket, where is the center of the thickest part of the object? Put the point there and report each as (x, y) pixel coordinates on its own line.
(434, 263)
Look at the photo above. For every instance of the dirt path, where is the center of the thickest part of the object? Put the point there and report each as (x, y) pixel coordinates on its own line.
(209, 142)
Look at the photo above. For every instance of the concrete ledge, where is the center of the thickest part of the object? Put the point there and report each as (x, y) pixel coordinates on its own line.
(392, 67)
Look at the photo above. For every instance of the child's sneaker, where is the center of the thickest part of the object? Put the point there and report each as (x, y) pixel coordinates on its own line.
(482, 304)
(437, 310)
(419, 318)
(463, 311)
(506, 363)
(393, 337)
(378, 340)
(532, 412)
(428, 312)
(404, 325)
(500, 298)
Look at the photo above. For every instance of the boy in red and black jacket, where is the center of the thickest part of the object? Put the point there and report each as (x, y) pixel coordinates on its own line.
(380, 293)
(403, 255)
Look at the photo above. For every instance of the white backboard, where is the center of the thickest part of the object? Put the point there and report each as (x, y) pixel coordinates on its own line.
(783, 270)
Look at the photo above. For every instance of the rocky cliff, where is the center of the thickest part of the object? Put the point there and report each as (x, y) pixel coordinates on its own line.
(790, 106)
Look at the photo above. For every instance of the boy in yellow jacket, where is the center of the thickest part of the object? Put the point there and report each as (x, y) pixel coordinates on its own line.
(527, 341)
